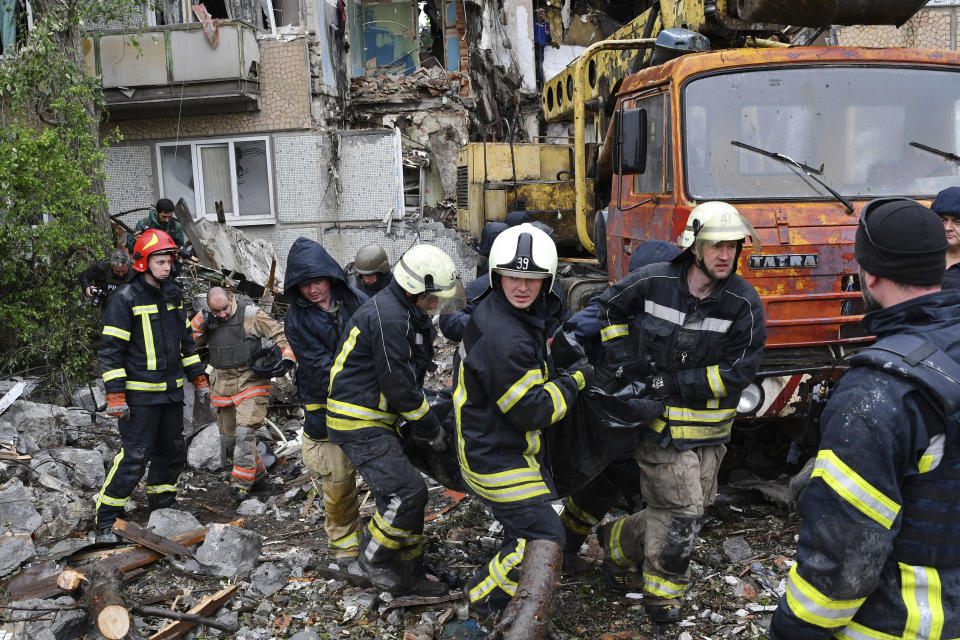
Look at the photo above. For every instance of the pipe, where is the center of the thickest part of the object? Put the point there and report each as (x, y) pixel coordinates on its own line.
(579, 125)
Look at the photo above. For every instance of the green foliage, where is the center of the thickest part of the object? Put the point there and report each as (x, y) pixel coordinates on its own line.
(51, 176)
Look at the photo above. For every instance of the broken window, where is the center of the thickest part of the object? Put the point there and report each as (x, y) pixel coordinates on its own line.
(208, 174)
(390, 37)
(263, 14)
(16, 18)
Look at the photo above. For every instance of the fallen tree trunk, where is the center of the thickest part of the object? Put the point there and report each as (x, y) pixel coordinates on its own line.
(108, 610)
(527, 616)
(159, 612)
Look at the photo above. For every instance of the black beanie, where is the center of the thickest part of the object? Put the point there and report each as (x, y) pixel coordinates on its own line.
(906, 242)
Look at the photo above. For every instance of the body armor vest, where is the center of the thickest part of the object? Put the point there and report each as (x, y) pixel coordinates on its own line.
(930, 526)
(229, 344)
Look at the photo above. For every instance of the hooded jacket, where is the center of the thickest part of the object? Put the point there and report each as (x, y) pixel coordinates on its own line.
(507, 392)
(315, 333)
(146, 349)
(712, 346)
(851, 580)
(378, 372)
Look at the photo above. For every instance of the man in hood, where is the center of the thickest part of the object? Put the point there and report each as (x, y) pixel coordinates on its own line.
(321, 304)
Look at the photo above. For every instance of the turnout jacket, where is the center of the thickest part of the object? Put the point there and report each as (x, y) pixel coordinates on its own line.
(146, 348)
(852, 579)
(231, 386)
(313, 332)
(507, 392)
(712, 347)
(377, 375)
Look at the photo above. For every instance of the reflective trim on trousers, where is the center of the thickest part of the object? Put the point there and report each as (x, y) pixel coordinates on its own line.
(498, 570)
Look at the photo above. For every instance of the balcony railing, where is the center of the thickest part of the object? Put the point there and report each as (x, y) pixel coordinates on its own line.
(173, 70)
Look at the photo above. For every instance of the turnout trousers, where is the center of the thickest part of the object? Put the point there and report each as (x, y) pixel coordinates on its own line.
(238, 425)
(338, 481)
(492, 587)
(394, 534)
(585, 509)
(677, 486)
(154, 434)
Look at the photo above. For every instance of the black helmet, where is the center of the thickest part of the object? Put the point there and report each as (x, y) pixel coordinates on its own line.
(268, 362)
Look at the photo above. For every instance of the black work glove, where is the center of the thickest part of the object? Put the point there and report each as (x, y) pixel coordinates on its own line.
(662, 385)
(428, 433)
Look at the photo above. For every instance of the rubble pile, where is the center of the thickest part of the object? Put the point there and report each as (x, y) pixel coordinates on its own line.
(424, 82)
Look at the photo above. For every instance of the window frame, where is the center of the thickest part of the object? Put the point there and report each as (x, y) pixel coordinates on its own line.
(198, 210)
(29, 15)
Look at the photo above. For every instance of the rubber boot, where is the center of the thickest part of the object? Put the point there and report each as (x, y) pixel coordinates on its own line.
(668, 613)
(226, 450)
(415, 580)
(573, 564)
(386, 577)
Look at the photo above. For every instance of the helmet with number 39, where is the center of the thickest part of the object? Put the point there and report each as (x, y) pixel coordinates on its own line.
(524, 251)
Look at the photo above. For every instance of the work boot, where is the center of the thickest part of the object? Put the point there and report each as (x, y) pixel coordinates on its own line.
(573, 564)
(349, 565)
(617, 576)
(485, 613)
(239, 494)
(416, 581)
(383, 577)
(663, 613)
(105, 535)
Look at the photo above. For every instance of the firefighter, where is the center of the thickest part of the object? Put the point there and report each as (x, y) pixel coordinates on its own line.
(240, 393)
(161, 218)
(145, 353)
(507, 393)
(106, 274)
(878, 555)
(583, 510)
(376, 379)
(693, 330)
(321, 304)
(947, 206)
(370, 270)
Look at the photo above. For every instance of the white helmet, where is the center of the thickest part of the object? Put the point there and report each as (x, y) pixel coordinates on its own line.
(426, 269)
(524, 251)
(715, 222)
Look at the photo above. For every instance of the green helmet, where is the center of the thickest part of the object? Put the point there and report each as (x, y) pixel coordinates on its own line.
(371, 259)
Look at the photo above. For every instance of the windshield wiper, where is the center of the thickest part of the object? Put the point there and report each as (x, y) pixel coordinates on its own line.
(938, 152)
(809, 171)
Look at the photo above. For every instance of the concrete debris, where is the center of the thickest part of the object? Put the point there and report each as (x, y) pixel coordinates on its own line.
(54, 625)
(17, 513)
(204, 452)
(251, 507)
(307, 634)
(229, 551)
(172, 522)
(14, 551)
(85, 465)
(737, 549)
(40, 426)
(90, 398)
(267, 579)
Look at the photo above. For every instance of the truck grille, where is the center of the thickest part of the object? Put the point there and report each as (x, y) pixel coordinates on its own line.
(462, 187)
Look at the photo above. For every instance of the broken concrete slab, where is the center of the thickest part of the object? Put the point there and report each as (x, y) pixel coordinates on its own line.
(737, 549)
(17, 513)
(14, 551)
(251, 507)
(204, 451)
(85, 465)
(63, 514)
(43, 462)
(172, 522)
(41, 426)
(58, 625)
(229, 551)
(267, 579)
(90, 398)
(306, 634)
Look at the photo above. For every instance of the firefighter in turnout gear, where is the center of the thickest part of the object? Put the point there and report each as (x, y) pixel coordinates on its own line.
(507, 392)
(321, 305)
(376, 379)
(878, 557)
(693, 330)
(145, 354)
(240, 393)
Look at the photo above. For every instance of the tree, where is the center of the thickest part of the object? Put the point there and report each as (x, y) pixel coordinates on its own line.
(53, 210)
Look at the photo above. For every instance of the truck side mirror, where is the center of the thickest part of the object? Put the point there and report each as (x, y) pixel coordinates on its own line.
(630, 141)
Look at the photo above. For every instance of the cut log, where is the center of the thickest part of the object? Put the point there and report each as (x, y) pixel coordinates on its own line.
(107, 607)
(135, 533)
(207, 607)
(527, 616)
(69, 580)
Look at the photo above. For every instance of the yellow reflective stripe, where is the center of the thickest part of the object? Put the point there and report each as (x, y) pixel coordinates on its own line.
(348, 346)
(102, 497)
(658, 425)
(614, 548)
(933, 455)
(681, 432)
(578, 378)
(716, 382)
(116, 332)
(613, 331)
(417, 413)
(383, 405)
(816, 608)
(388, 528)
(189, 360)
(148, 346)
(113, 502)
(509, 494)
(315, 406)
(356, 411)
(145, 309)
(161, 488)
(855, 631)
(187, 324)
(559, 404)
(661, 587)
(509, 477)
(854, 489)
(579, 513)
(136, 385)
(171, 307)
(573, 524)
(921, 591)
(498, 571)
(179, 382)
(113, 374)
(386, 541)
(700, 415)
(346, 424)
(347, 542)
(518, 388)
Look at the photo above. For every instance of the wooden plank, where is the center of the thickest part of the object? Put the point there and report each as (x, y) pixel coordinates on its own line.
(207, 607)
(135, 533)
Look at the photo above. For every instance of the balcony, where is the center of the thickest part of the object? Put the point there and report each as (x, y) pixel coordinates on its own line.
(174, 70)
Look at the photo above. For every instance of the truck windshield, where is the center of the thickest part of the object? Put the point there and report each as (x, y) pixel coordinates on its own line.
(857, 122)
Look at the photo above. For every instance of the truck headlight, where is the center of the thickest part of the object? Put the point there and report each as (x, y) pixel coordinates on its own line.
(750, 399)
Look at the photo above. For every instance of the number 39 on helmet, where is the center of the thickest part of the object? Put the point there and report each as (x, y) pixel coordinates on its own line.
(524, 251)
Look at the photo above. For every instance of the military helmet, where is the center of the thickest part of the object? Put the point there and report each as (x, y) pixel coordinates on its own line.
(371, 259)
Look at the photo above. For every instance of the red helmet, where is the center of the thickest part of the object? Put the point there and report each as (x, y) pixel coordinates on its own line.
(153, 241)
